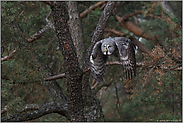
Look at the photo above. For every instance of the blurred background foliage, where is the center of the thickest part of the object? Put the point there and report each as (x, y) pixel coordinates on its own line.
(154, 95)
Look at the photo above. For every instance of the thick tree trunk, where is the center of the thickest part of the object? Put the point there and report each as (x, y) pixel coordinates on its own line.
(75, 30)
(73, 72)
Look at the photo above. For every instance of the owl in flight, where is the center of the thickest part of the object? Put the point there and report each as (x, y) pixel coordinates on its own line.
(103, 48)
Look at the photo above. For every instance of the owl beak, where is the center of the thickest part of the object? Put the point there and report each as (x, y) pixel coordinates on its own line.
(106, 50)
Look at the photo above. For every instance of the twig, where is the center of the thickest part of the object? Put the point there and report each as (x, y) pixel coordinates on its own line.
(48, 15)
(55, 77)
(5, 58)
(84, 14)
(31, 39)
(115, 31)
(38, 35)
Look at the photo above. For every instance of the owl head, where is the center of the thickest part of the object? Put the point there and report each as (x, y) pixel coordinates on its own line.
(108, 47)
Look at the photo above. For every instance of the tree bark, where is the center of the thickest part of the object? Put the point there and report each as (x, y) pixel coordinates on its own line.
(75, 30)
(45, 109)
(73, 72)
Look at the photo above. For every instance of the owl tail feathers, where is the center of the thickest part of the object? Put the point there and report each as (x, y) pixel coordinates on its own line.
(130, 74)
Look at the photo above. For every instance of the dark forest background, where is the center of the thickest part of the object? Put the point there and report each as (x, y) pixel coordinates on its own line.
(35, 79)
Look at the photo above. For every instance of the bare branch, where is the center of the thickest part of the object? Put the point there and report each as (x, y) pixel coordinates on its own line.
(32, 38)
(55, 77)
(45, 109)
(38, 35)
(115, 31)
(85, 13)
(5, 58)
(48, 15)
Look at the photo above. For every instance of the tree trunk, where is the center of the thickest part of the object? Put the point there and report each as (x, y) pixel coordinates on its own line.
(72, 70)
(76, 30)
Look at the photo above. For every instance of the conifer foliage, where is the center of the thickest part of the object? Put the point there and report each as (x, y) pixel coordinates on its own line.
(45, 49)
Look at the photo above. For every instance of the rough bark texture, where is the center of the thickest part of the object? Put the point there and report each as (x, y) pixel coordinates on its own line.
(75, 29)
(46, 109)
(73, 72)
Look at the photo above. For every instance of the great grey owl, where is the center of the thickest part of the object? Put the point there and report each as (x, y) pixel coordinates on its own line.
(105, 47)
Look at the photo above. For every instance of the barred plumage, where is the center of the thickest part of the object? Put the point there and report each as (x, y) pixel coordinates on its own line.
(108, 46)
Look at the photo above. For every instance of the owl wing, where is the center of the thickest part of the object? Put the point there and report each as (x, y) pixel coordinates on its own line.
(126, 50)
(97, 60)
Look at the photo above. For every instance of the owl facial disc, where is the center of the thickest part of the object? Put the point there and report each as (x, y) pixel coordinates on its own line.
(107, 50)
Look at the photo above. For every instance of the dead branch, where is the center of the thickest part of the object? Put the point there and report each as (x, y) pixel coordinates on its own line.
(48, 15)
(5, 58)
(55, 77)
(85, 13)
(32, 38)
(38, 35)
(115, 31)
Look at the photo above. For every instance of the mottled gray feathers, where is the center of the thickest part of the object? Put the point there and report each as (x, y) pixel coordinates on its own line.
(108, 46)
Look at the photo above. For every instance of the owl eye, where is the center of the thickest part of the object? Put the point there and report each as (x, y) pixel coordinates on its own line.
(109, 46)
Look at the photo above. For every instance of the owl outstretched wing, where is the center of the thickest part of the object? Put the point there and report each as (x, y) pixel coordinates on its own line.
(97, 60)
(126, 50)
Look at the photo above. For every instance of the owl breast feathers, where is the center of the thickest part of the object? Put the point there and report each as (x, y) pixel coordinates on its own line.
(106, 47)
